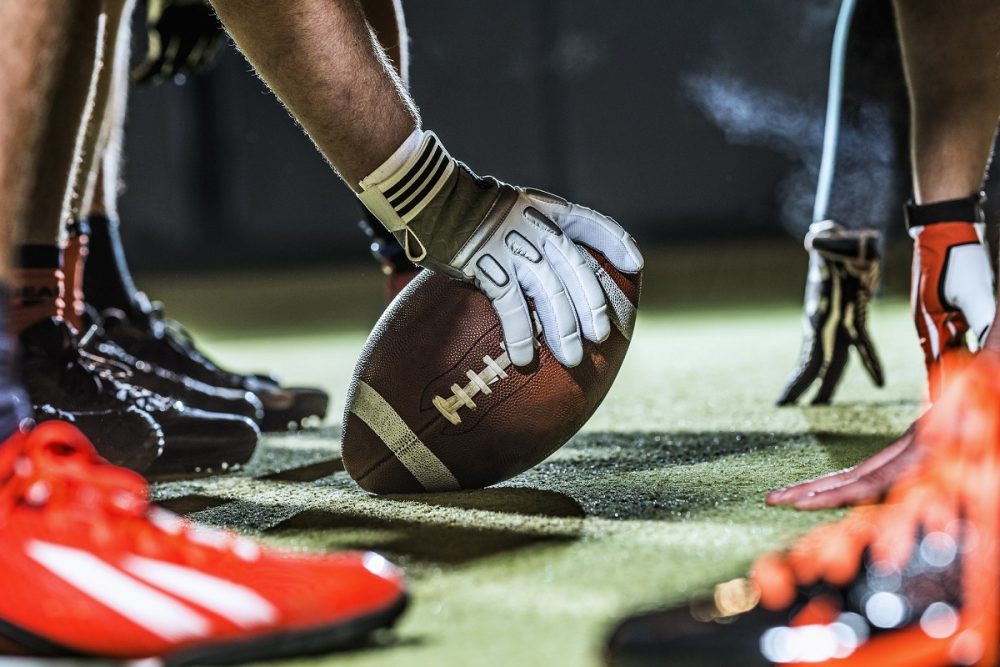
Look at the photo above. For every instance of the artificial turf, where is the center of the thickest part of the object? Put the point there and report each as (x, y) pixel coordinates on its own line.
(659, 497)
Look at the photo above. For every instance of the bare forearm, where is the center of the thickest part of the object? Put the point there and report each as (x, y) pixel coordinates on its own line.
(386, 19)
(322, 60)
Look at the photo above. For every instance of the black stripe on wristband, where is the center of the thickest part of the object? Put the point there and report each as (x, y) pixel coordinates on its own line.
(966, 209)
(418, 166)
(419, 181)
(426, 189)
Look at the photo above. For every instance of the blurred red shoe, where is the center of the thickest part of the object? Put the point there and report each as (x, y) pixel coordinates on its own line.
(912, 583)
(91, 569)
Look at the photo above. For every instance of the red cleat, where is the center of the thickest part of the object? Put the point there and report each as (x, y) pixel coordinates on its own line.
(91, 569)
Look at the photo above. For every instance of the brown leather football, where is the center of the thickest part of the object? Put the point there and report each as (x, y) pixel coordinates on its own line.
(435, 405)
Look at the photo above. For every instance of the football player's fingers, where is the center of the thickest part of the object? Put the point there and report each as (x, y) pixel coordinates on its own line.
(584, 290)
(154, 11)
(968, 286)
(560, 326)
(775, 581)
(833, 370)
(172, 60)
(893, 542)
(869, 357)
(806, 555)
(841, 547)
(212, 43)
(148, 71)
(863, 490)
(805, 373)
(871, 486)
(803, 490)
(515, 320)
(601, 233)
(200, 53)
(941, 517)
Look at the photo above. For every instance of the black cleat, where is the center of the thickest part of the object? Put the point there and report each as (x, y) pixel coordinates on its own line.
(128, 436)
(95, 347)
(195, 442)
(165, 343)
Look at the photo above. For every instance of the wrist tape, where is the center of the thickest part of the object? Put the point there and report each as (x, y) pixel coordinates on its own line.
(402, 186)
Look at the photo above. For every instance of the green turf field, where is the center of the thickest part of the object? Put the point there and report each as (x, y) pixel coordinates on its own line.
(659, 497)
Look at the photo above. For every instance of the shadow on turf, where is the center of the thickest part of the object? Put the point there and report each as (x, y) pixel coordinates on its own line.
(637, 451)
(614, 475)
(307, 473)
(506, 499)
(847, 450)
(450, 543)
(192, 502)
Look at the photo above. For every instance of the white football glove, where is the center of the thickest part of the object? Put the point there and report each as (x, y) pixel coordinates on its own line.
(510, 242)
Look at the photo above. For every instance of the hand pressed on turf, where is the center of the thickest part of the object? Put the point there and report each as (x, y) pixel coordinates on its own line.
(871, 480)
(868, 481)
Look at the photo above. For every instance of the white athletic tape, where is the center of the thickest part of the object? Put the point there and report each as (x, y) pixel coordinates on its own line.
(380, 417)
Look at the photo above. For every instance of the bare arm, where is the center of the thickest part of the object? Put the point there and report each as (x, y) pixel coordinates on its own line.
(321, 58)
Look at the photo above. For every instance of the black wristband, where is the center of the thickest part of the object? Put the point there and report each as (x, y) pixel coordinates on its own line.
(966, 209)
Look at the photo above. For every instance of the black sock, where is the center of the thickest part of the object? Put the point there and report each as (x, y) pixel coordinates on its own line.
(15, 407)
(107, 282)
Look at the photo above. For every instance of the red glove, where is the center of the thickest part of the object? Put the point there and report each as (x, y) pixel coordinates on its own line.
(952, 284)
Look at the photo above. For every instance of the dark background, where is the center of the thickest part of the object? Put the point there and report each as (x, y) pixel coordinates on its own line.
(684, 120)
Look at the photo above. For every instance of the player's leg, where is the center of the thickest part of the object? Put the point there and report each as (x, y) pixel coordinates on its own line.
(955, 97)
(34, 42)
(101, 137)
(38, 272)
(71, 378)
(100, 282)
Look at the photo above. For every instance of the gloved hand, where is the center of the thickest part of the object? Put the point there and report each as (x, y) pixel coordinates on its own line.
(184, 37)
(843, 275)
(511, 242)
(952, 290)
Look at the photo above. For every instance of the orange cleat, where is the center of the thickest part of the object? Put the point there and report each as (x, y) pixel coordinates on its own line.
(90, 569)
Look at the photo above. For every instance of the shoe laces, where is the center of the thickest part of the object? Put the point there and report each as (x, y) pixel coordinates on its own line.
(119, 383)
(56, 471)
(172, 332)
(171, 329)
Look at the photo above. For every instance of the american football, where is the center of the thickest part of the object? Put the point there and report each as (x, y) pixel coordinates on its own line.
(436, 405)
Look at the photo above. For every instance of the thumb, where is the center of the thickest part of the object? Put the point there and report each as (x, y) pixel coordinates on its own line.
(968, 286)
